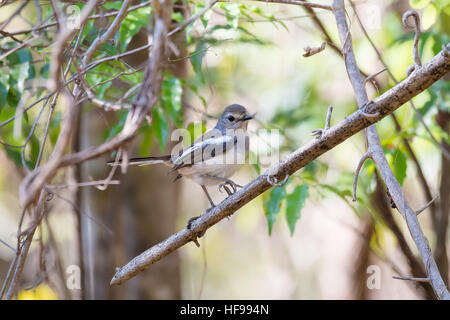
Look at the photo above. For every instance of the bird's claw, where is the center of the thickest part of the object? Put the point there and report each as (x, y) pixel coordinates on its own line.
(231, 184)
(189, 222)
(318, 133)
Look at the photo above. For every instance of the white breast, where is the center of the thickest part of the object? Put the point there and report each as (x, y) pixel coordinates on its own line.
(222, 166)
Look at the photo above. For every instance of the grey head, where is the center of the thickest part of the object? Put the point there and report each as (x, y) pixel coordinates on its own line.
(233, 117)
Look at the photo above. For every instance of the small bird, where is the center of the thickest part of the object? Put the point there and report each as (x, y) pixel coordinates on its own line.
(213, 157)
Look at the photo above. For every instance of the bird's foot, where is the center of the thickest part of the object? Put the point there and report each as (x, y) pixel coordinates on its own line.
(229, 183)
(318, 133)
(189, 222)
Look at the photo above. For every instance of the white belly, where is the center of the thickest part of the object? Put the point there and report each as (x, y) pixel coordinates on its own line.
(219, 167)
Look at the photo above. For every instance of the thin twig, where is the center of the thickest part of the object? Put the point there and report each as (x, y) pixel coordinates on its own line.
(427, 205)
(411, 279)
(416, 27)
(315, 50)
(366, 156)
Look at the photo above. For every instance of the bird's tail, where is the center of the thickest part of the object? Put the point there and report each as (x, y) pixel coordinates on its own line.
(142, 161)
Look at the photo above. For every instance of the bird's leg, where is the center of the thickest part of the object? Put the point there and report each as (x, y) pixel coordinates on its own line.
(189, 222)
(209, 197)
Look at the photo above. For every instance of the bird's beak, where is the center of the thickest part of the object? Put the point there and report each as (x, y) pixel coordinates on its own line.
(247, 117)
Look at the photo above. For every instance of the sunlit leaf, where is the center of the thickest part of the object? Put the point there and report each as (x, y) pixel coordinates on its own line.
(171, 94)
(160, 127)
(195, 131)
(3, 95)
(295, 201)
(400, 166)
(272, 205)
(122, 115)
(197, 59)
(418, 4)
(429, 16)
(41, 292)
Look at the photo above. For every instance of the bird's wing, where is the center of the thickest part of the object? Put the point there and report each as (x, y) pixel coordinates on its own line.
(204, 148)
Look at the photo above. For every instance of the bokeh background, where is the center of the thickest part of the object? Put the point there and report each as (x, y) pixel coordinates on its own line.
(252, 57)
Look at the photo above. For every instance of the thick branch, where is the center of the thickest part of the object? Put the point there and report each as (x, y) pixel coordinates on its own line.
(391, 100)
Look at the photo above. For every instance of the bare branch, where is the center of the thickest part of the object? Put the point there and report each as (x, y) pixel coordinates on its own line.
(427, 205)
(411, 279)
(191, 19)
(57, 53)
(416, 27)
(366, 156)
(109, 32)
(369, 78)
(315, 50)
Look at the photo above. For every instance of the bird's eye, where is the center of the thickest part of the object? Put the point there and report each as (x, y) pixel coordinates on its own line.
(230, 118)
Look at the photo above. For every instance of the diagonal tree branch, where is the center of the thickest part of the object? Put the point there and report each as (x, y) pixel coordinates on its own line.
(391, 100)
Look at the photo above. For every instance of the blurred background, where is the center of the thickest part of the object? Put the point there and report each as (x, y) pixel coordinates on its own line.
(248, 53)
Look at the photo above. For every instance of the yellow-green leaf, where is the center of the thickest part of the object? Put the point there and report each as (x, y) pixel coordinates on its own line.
(295, 203)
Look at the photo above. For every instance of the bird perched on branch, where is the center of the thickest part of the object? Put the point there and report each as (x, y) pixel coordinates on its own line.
(213, 157)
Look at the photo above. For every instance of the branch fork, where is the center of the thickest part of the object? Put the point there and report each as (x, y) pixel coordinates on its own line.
(319, 132)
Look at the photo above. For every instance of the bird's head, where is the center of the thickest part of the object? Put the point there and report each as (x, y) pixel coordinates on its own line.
(234, 117)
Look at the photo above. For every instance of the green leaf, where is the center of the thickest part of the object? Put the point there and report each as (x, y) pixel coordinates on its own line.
(430, 103)
(21, 56)
(127, 32)
(3, 94)
(232, 13)
(14, 155)
(55, 127)
(113, 5)
(177, 16)
(146, 144)
(102, 89)
(194, 89)
(195, 130)
(295, 203)
(272, 205)
(400, 166)
(429, 16)
(206, 16)
(172, 91)
(45, 70)
(197, 59)
(13, 97)
(160, 127)
(131, 25)
(122, 115)
(418, 4)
